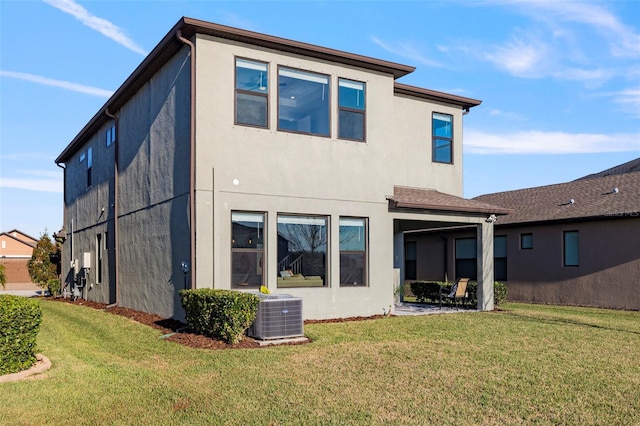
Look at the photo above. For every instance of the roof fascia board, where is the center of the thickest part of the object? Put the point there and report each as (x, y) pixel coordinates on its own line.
(434, 95)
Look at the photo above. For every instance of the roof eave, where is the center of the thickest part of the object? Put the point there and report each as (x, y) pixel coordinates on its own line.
(434, 95)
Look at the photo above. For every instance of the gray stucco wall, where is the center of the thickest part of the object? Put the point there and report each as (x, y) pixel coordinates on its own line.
(153, 195)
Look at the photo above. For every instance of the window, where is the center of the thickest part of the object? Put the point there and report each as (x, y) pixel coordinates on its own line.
(500, 258)
(442, 138)
(351, 106)
(303, 102)
(466, 263)
(353, 251)
(111, 135)
(526, 241)
(89, 165)
(302, 246)
(410, 257)
(252, 92)
(571, 254)
(247, 249)
(98, 258)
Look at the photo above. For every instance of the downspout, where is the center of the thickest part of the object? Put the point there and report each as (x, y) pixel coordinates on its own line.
(192, 166)
(116, 247)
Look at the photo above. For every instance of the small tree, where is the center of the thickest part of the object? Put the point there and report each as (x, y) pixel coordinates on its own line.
(3, 276)
(40, 267)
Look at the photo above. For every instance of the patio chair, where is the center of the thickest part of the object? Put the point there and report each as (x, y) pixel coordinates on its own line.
(456, 292)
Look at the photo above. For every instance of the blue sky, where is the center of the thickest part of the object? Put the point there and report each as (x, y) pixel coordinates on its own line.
(559, 80)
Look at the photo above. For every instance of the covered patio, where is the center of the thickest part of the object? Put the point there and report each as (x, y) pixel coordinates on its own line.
(420, 209)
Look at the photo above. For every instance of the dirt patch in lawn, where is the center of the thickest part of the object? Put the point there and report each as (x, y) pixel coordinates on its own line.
(177, 331)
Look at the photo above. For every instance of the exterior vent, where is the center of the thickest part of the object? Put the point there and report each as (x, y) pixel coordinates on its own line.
(279, 316)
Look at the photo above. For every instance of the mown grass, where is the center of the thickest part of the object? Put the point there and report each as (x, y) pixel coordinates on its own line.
(526, 364)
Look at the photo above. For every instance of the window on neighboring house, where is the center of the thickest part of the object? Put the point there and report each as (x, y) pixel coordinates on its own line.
(351, 105)
(247, 249)
(571, 253)
(466, 263)
(111, 135)
(252, 93)
(302, 248)
(303, 102)
(353, 251)
(526, 241)
(410, 258)
(442, 125)
(500, 258)
(89, 166)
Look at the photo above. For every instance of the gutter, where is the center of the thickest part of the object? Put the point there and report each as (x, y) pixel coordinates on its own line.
(192, 165)
(115, 207)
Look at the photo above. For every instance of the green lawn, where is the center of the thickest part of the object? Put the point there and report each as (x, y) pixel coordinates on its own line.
(523, 365)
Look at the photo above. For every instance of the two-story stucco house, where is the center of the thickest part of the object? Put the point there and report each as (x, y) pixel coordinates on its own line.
(231, 159)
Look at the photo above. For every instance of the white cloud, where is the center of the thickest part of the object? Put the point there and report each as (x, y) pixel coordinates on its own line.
(101, 25)
(629, 99)
(41, 185)
(67, 85)
(539, 142)
(518, 57)
(407, 50)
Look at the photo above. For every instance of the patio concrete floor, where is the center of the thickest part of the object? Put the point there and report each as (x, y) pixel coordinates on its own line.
(425, 309)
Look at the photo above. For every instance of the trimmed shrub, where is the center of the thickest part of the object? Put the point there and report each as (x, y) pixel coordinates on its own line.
(221, 314)
(499, 292)
(20, 320)
(427, 290)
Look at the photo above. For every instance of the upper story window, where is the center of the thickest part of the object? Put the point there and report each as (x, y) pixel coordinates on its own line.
(252, 93)
(303, 102)
(526, 241)
(111, 135)
(442, 125)
(351, 105)
(89, 165)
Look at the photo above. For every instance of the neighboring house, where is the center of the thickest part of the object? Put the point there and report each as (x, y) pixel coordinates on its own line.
(575, 243)
(231, 159)
(16, 249)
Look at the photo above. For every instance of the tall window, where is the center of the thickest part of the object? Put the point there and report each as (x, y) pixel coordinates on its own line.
(410, 260)
(89, 166)
(353, 251)
(351, 105)
(98, 258)
(442, 125)
(302, 247)
(111, 135)
(466, 263)
(500, 257)
(247, 249)
(571, 253)
(252, 93)
(303, 102)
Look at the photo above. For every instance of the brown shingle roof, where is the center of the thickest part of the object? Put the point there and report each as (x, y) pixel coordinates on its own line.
(628, 167)
(593, 198)
(430, 199)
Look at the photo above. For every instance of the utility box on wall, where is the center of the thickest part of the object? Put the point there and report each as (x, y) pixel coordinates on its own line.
(279, 316)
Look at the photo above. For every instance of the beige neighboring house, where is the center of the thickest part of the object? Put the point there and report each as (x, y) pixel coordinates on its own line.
(231, 159)
(16, 249)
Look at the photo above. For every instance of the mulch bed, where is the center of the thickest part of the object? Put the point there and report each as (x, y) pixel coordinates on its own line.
(178, 332)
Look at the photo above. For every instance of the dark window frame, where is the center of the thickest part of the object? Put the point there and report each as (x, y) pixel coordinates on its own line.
(567, 256)
(363, 253)
(528, 246)
(250, 93)
(435, 139)
(350, 110)
(259, 250)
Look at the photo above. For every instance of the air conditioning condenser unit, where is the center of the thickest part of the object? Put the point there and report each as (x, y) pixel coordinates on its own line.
(279, 316)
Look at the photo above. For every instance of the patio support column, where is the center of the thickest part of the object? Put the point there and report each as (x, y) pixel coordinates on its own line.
(398, 248)
(485, 266)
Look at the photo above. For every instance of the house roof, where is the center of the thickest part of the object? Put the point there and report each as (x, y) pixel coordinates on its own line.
(431, 199)
(608, 197)
(21, 236)
(21, 241)
(628, 167)
(188, 27)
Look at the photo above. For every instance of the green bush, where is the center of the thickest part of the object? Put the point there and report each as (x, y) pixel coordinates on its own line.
(427, 290)
(54, 287)
(221, 314)
(499, 292)
(20, 320)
